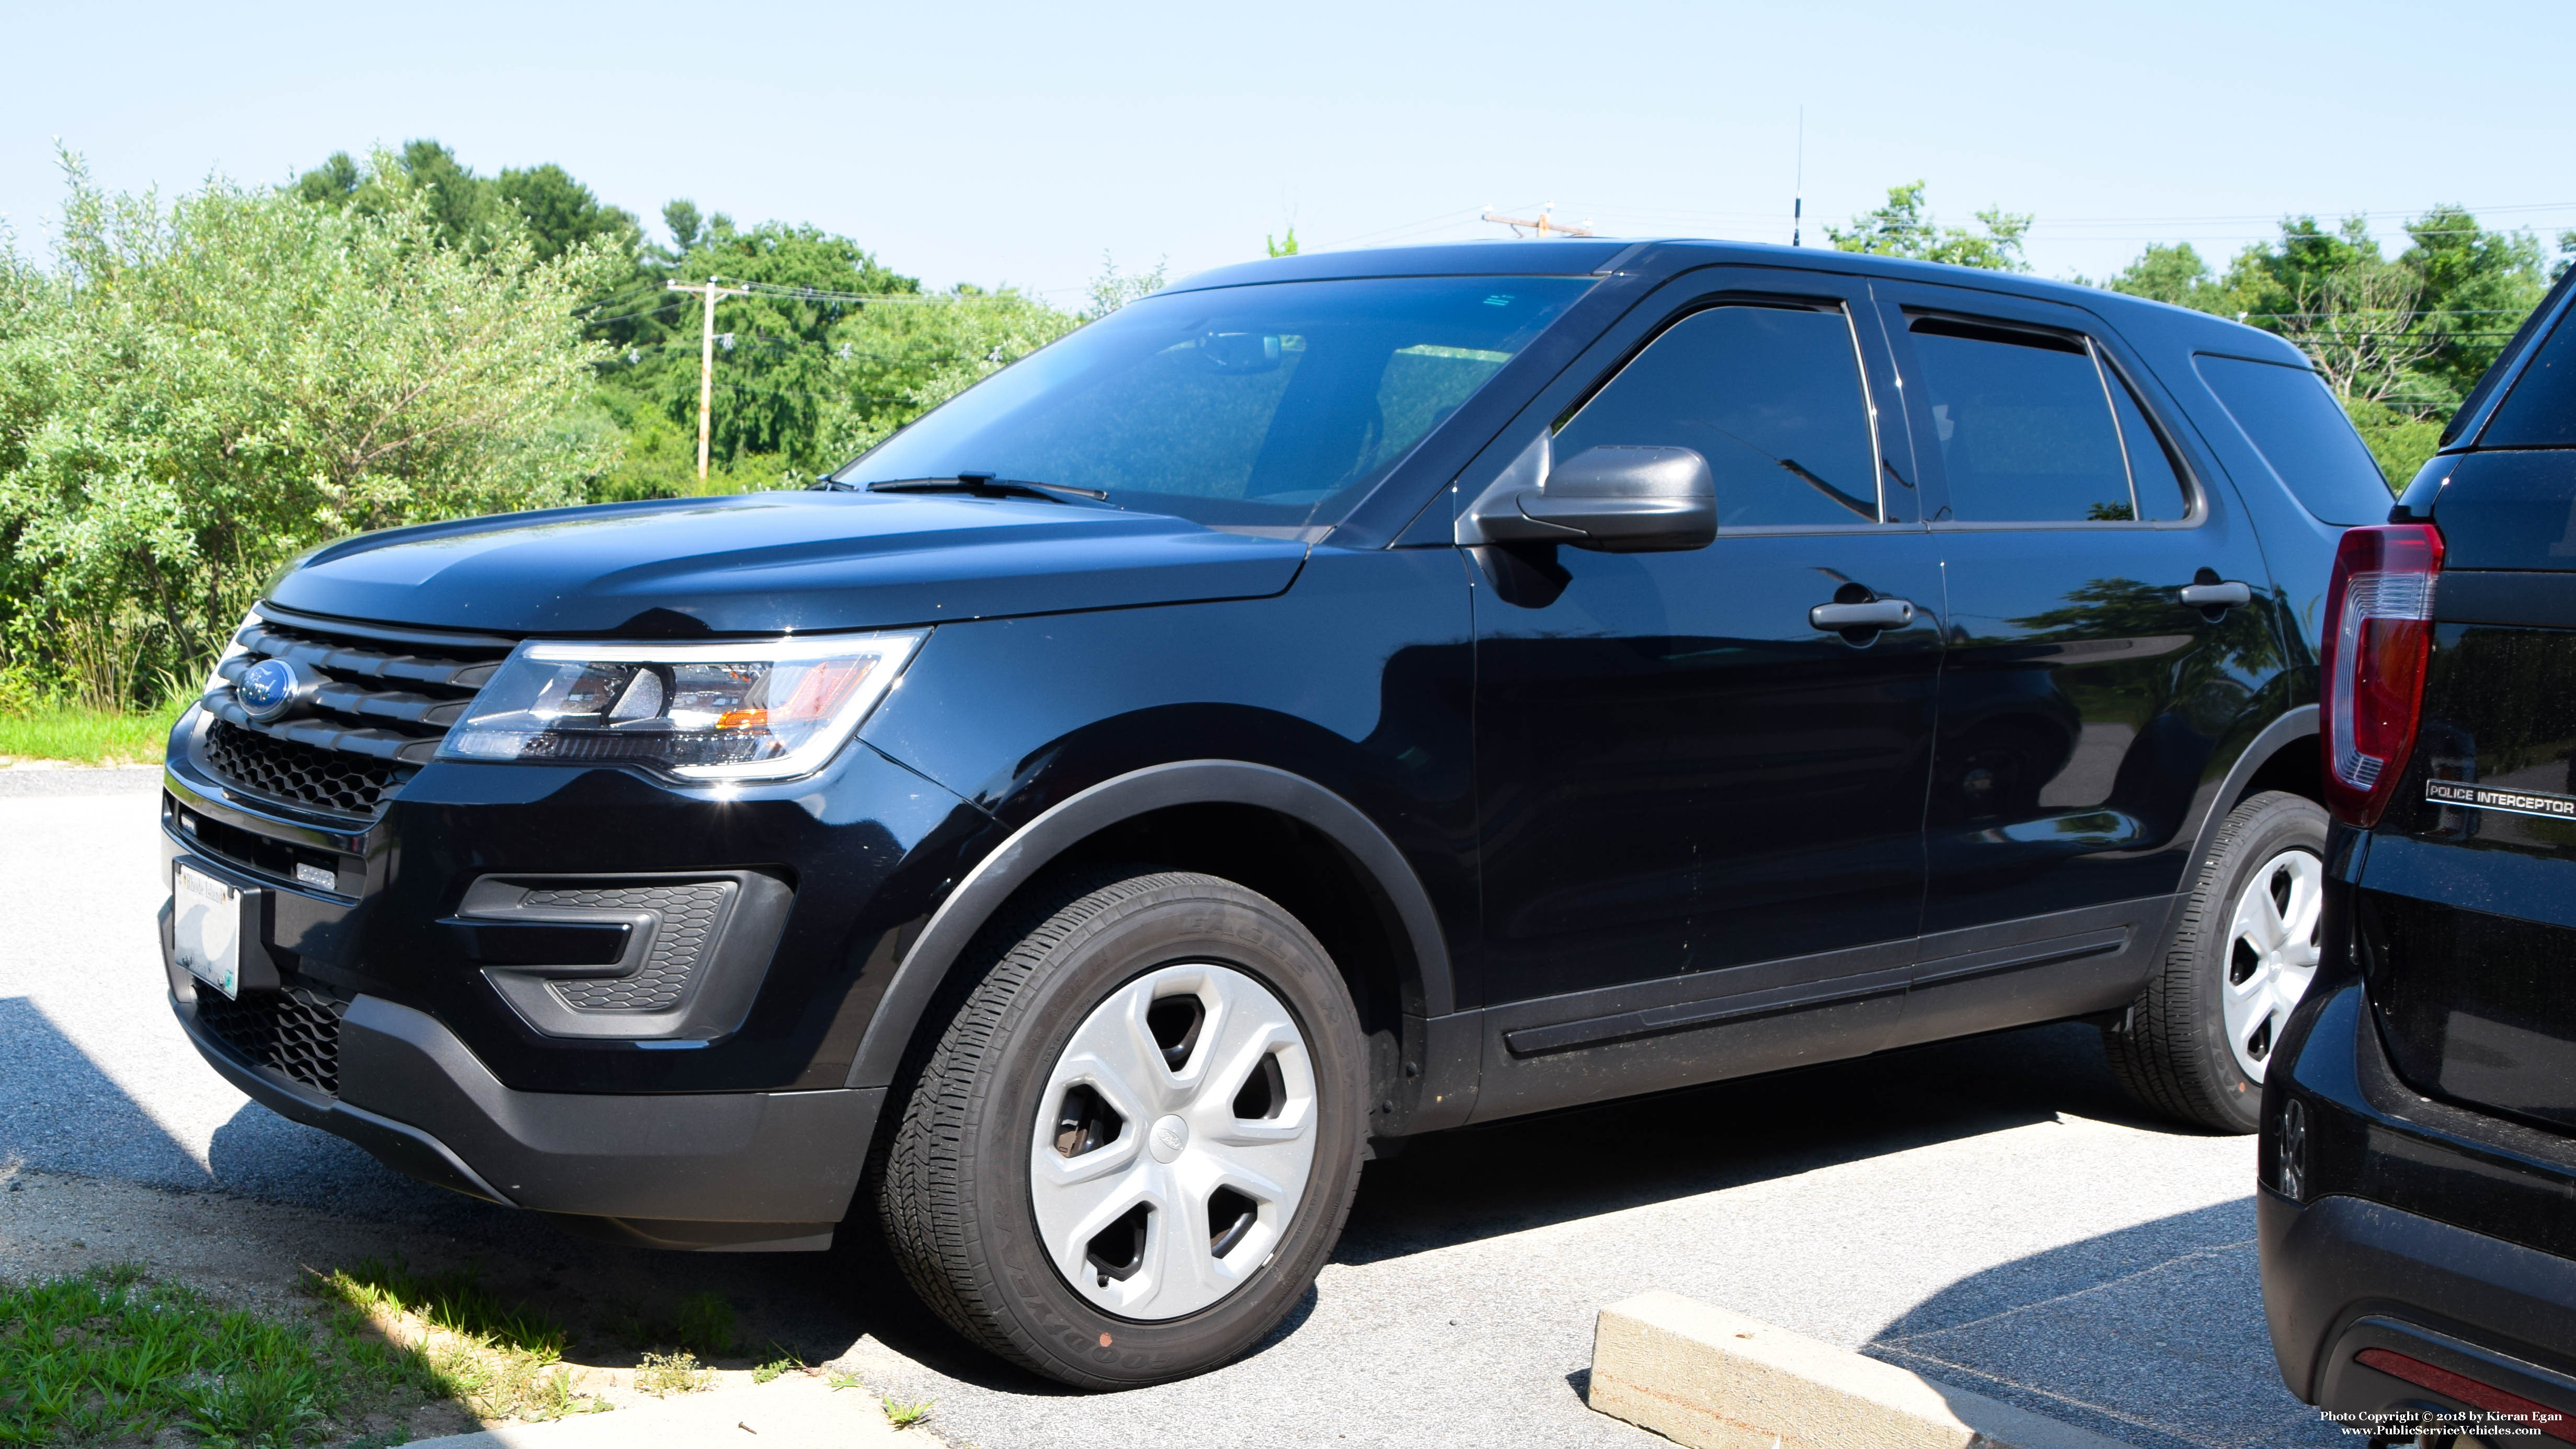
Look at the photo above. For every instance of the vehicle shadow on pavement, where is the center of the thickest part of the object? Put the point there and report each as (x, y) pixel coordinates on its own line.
(2065, 1333)
(60, 1113)
(1461, 1186)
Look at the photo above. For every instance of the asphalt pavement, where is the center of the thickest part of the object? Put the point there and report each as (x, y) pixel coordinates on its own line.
(1988, 1213)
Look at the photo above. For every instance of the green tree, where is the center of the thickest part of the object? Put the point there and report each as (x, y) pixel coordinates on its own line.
(831, 352)
(2175, 274)
(896, 361)
(685, 225)
(2478, 285)
(2400, 340)
(475, 213)
(1904, 228)
(775, 349)
(1112, 290)
(204, 389)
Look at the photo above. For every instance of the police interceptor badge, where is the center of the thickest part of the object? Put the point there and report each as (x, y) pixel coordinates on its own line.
(2519, 802)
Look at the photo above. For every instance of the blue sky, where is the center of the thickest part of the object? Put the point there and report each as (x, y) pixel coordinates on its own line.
(1011, 143)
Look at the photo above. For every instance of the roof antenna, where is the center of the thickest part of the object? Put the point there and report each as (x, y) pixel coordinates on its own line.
(1798, 206)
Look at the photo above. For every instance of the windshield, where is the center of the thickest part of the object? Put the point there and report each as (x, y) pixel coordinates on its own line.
(1272, 406)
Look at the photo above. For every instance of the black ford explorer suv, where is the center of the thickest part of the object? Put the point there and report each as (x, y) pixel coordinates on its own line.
(1332, 700)
(2419, 1137)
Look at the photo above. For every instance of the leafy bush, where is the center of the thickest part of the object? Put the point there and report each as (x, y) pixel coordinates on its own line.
(194, 393)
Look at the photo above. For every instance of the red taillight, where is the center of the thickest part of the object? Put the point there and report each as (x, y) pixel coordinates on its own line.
(2379, 627)
(2527, 1416)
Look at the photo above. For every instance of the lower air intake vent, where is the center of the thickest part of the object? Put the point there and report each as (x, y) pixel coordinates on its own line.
(305, 774)
(689, 916)
(294, 1033)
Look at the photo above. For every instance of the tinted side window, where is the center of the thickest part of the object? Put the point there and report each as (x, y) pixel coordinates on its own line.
(2152, 474)
(2301, 431)
(2540, 412)
(2023, 422)
(1771, 396)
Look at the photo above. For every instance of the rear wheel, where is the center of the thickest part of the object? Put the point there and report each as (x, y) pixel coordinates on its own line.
(1134, 1143)
(2196, 1042)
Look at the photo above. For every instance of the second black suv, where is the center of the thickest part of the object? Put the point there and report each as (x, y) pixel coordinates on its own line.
(1331, 700)
(2419, 1143)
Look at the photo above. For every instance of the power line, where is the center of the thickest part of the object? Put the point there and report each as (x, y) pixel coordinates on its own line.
(653, 311)
(840, 351)
(1460, 216)
(878, 299)
(2397, 312)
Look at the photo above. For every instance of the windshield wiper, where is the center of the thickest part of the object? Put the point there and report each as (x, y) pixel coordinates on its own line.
(986, 485)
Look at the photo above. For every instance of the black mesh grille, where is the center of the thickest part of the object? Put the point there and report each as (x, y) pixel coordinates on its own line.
(294, 1033)
(305, 774)
(372, 706)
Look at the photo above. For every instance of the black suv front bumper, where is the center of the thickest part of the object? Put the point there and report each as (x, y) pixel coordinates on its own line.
(739, 1171)
(379, 1007)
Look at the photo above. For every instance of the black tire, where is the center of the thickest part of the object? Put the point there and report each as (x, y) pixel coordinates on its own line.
(2170, 1053)
(953, 1180)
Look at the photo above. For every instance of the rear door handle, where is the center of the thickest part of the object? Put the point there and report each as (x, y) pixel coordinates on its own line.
(2217, 596)
(1876, 614)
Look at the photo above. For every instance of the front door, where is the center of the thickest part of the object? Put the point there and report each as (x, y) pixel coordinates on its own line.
(1702, 803)
(2084, 695)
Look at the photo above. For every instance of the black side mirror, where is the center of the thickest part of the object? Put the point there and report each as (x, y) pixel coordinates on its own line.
(1608, 499)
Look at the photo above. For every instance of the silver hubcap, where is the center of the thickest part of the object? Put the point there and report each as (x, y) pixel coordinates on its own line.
(2271, 954)
(1173, 1141)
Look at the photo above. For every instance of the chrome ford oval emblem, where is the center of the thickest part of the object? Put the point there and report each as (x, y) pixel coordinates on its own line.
(268, 690)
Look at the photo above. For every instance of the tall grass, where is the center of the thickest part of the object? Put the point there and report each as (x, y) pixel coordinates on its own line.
(503, 1359)
(110, 1355)
(76, 734)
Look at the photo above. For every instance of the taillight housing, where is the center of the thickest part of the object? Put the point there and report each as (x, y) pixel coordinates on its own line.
(2379, 630)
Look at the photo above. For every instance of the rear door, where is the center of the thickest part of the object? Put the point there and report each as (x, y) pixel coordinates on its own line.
(2085, 697)
(1702, 811)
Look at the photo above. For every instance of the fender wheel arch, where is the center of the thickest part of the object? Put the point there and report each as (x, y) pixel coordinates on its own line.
(2270, 754)
(1089, 822)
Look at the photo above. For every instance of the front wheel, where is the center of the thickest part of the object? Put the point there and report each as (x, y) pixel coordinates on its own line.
(1133, 1145)
(2196, 1042)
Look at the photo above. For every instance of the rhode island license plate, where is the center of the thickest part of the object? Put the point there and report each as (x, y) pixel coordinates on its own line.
(205, 929)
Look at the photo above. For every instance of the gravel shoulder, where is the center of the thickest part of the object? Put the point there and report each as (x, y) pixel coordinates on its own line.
(1985, 1212)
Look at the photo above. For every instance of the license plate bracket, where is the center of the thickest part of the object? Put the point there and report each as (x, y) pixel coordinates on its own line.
(215, 931)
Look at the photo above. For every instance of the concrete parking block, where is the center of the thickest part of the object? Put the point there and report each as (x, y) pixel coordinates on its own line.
(1712, 1379)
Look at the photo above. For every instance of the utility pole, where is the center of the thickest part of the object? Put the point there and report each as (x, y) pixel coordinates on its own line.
(707, 357)
(1545, 223)
(1798, 189)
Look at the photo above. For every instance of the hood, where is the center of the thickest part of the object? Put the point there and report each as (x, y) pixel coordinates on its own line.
(769, 562)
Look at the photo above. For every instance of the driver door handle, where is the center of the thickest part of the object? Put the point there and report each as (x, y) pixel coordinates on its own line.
(1876, 614)
(2217, 596)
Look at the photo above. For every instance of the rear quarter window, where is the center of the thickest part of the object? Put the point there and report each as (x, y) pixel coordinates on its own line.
(2300, 431)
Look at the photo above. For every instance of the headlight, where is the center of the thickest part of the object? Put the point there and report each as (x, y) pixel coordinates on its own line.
(765, 710)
